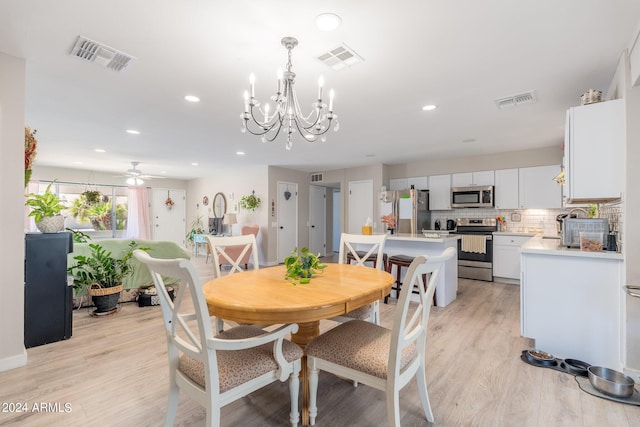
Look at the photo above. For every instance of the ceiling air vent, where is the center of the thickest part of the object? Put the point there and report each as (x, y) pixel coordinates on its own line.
(515, 100)
(93, 51)
(316, 177)
(340, 57)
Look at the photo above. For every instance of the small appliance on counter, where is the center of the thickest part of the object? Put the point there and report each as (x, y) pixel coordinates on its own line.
(451, 224)
(436, 225)
(572, 227)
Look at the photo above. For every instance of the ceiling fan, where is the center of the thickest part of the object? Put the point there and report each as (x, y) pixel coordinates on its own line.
(136, 177)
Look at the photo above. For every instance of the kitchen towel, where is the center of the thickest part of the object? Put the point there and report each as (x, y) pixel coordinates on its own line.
(477, 244)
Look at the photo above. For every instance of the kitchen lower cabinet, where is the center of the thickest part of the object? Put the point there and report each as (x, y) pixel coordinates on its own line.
(506, 255)
(571, 304)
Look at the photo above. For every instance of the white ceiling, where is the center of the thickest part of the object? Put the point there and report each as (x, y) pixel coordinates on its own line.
(458, 54)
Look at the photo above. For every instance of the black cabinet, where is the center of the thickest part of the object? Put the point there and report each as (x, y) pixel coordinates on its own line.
(48, 301)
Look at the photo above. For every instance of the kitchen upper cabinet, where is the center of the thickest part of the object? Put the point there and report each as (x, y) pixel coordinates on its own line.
(506, 192)
(506, 255)
(594, 151)
(398, 184)
(537, 189)
(440, 192)
(470, 179)
(419, 182)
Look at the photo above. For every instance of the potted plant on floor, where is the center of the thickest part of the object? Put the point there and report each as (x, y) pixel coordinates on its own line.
(301, 267)
(101, 274)
(45, 210)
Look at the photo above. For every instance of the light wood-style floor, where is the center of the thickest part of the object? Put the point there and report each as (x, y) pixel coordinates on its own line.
(113, 372)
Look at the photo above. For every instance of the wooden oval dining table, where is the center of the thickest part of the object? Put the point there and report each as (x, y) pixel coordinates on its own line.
(264, 296)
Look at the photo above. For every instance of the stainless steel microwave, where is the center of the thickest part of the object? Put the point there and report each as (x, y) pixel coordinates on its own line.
(472, 197)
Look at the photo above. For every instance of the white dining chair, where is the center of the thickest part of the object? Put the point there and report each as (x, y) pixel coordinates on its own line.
(376, 356)
(233, 250)
(361, 249)
(217, 370)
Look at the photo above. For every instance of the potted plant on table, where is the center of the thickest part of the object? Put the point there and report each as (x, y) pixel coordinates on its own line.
(101, 275)
(300, 267)
(45, 209)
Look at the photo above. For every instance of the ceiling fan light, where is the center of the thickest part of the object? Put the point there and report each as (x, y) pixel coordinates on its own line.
(134, 181)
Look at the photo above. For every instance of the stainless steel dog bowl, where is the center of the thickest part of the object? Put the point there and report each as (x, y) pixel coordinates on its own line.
(610, 382)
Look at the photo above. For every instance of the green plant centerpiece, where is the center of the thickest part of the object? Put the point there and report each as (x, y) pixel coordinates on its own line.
(302, 266)
(250, 202)
(101, 274)
(45, 210)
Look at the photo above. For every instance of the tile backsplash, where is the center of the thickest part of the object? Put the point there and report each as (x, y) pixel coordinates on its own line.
(531, 220)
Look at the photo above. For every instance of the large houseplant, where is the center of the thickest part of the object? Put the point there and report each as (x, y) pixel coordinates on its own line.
(101, 274)
(302, 266)
(45, 210)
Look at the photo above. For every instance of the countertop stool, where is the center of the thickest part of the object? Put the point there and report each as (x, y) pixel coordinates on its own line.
(371, 258)
(401, 261)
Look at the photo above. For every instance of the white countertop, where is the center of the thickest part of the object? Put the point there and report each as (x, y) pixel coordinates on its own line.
(421, 238)
(512, 233)
(539, 245)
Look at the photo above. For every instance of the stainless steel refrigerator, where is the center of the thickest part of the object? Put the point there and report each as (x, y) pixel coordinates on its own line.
(410, 208)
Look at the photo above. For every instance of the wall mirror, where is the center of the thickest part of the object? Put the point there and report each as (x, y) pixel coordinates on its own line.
(219, 205)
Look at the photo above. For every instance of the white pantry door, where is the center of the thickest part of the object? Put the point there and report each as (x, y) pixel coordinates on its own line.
(317, 219)
(169, 224)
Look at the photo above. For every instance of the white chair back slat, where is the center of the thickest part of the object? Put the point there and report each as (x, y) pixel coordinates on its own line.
(219, 244)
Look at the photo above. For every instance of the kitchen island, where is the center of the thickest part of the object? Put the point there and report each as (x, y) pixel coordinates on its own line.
(417, 244)
(571, 301)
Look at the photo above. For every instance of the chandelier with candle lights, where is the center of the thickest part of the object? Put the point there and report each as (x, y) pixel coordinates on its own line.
(287, 117)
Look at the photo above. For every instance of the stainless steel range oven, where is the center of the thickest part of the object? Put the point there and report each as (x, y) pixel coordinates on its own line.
(475, 248)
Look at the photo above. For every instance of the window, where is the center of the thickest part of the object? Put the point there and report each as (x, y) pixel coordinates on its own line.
(91, 209)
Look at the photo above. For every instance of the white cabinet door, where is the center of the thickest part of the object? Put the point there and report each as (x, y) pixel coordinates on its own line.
(594, 150)
(418, 182)
(506, 192)
(469, 179)
(506, 255)
(461, 179)
(483, 178)
(537, 189)
(398, 184)
(440, 192)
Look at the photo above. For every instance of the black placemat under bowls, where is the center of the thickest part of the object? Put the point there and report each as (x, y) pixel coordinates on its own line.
(586, 386)
(568, 366)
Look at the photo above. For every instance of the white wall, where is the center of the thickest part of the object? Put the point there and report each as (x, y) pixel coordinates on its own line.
(233, 183)
(506, 160)
(12, 122)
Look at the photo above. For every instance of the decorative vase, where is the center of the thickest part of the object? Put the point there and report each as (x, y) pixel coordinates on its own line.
(51, 224)
(390, 231)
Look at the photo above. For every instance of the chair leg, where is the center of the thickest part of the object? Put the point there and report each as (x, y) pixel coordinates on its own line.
(313, 390)
(424, 394)
(219, 325)
(172, 406)
(294, 391)
(393, 405)
(375, 312)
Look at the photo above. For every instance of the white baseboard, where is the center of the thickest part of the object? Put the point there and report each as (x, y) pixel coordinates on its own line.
(13, 362)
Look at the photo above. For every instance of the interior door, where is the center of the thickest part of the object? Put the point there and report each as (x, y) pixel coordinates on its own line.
(360, 205)
(169, 224)
(317, 219)
(287, 219)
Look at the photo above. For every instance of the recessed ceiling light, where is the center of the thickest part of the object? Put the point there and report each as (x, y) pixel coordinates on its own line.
(133, 131)
(240, 153)
(194, 164)
(429, 107)
(100, 150)
(192, 98)
(370, 155)
(328, 21)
